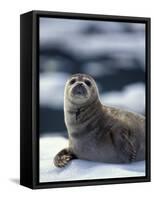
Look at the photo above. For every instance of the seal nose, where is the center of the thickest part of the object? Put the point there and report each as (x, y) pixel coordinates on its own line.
(80, 84)
(79, 89)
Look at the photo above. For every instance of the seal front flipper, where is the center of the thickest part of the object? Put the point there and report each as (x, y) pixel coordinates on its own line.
(63, 158)
(125, 144)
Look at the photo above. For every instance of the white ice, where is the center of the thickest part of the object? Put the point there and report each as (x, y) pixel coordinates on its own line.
(80, 169)
(51, 84)
(131, 98)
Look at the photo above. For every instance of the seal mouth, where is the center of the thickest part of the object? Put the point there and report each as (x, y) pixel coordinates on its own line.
(79, 90)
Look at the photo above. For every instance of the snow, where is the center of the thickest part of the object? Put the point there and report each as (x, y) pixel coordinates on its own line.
(59, 31)
(80, 169)
(52, 89)
(97, 69)
(132, 98)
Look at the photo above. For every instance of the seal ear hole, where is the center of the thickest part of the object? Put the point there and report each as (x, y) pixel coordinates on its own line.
(72, 81)
(88, 83)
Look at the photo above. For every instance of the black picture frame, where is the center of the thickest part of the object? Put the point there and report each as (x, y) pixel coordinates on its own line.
(29, 99)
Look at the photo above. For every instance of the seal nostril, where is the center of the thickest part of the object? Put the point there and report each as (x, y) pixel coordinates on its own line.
(80, 84)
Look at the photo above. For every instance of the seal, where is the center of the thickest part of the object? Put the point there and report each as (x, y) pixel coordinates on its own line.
(98, 132)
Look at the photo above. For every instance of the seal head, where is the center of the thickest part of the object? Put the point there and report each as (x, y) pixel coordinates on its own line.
(79, 89)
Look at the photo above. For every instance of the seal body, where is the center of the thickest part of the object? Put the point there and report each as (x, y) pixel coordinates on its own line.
(98, 132)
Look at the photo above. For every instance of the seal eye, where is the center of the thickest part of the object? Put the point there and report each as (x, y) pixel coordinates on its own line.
(88, 83)
(72, 81)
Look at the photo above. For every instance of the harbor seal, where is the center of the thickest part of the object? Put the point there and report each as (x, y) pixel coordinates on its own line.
(98, 132)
